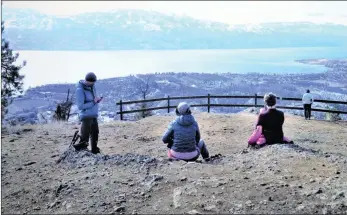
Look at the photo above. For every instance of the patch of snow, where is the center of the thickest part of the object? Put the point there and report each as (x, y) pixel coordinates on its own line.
(253, 28)
(47, 23)
(106, 119)
(152, 27)
(142, 22)
(74, 119)
(74, 109)
(163, 82)
(156, 91)
(231, 28)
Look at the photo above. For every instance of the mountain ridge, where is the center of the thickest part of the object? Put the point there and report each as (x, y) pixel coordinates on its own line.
(27, 29)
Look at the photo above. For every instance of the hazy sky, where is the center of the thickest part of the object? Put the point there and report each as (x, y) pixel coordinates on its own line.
(224, 11)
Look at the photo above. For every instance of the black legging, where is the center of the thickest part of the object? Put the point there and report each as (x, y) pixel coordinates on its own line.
(90, 128)
(307, 110)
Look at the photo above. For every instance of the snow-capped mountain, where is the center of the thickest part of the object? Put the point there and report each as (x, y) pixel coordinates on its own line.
(138, 29)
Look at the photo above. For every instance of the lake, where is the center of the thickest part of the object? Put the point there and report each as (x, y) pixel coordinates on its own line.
(46, 67)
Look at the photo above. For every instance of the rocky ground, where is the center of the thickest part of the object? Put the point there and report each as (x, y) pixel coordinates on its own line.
(40, 174)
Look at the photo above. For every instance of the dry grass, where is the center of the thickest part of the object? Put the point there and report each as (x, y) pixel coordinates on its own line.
(274, 179)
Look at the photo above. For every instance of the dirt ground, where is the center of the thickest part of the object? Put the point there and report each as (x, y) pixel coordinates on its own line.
(41, 175)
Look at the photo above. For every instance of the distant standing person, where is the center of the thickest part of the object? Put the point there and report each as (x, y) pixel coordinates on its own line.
(307, 100)
(88, 105)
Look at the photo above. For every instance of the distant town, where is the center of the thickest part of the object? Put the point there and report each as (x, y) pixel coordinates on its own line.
(41, 101)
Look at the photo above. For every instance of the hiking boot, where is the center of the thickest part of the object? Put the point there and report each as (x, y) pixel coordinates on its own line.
(80, 146)
(96, 150)
(207, 159)
(258, 146)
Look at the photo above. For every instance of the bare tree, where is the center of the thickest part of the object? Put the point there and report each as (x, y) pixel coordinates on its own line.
(143, 88)
(332, 116)
(62, 112)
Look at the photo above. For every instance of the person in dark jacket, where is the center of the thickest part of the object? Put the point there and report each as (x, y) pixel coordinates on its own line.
(183, 136)
(271, 122)
(88, 105)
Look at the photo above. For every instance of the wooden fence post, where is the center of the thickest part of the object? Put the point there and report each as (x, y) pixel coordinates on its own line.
(121, 110)
(208, 103)
(168, 104)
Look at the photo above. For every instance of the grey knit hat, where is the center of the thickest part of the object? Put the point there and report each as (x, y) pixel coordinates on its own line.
(91, 77)
(183, 109)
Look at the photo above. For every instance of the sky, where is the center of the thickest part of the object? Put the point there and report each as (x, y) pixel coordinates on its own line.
(232, 12)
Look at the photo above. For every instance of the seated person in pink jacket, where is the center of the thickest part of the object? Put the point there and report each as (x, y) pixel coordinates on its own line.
(269, 125)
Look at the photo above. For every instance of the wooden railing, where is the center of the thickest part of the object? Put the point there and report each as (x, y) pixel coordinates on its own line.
(209, 105)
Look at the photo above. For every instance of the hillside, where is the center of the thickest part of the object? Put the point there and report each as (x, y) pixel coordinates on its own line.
(134, 176)
(27, 29)
(329, 85)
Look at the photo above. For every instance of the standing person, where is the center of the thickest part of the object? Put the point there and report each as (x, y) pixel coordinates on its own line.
(307, 100)
(183, 136)
(88, 105)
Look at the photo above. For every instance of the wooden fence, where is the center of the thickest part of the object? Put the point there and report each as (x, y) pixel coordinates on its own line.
(209, 105)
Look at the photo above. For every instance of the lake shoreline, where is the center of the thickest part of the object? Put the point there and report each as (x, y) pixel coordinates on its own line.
(328, 85)
(181, 49)
(303, 61)
(67, 67)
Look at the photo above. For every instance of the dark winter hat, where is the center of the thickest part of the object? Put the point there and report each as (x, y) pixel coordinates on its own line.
(270, 99)
(91, 77)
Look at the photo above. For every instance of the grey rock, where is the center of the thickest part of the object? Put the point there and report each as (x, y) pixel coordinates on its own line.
(183, 179)
(119, 208)
(338, 196)
(249, 203)
(194, 212)
(319, 191)
(177, 196)
(210, 208)
(36, 208)
(19, 168)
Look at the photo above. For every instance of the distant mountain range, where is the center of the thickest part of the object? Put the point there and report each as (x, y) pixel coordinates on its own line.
(27, 29)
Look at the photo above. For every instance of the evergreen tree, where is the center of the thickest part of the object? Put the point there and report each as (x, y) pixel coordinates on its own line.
(11, 80)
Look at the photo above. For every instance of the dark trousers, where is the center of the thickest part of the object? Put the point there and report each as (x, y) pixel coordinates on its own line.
(307, 110)
(90, 128)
